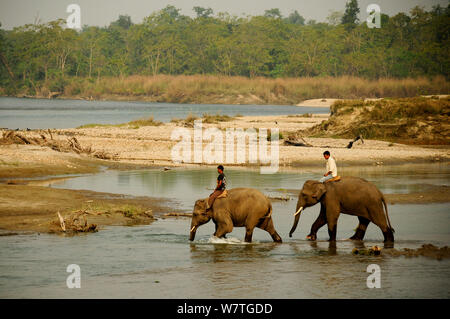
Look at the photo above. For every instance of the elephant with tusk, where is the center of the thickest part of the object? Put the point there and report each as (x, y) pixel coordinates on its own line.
(243, 207)
(350, 195)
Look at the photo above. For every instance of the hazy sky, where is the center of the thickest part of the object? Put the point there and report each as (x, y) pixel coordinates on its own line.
(101, 12)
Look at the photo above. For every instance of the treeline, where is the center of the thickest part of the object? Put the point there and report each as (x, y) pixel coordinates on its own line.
(270, 45)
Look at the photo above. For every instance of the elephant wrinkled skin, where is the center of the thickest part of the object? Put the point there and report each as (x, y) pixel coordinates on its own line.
(351, 195)
(243, 207)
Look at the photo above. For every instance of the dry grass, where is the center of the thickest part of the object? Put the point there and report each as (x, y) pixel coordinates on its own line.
(242, 90)
(145, 121)
(388, 110)
(127, 210)
(306, 115)
(214, 118)
(206, 118)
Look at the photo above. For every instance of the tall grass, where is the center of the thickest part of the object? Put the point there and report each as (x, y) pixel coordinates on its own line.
(242, 90)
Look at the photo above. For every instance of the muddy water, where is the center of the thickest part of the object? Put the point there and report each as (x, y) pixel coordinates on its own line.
(158, 261)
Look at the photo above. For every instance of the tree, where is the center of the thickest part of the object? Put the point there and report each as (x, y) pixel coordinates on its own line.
(2, 55)
(203, 12)
(335, 17)
(166, 42)
(124, 22)
(273, 13)
(350, 17)
(295, 18)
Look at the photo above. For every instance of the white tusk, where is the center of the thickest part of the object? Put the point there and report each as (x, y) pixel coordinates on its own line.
(193, 227)
(299, 211)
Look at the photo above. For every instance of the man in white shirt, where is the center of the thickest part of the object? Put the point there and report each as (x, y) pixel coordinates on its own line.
(331, 167)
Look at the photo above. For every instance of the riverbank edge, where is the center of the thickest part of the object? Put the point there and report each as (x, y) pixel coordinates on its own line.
(249, 100)
(31, 208)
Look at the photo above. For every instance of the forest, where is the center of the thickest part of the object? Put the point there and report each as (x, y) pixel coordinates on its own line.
(52, 57)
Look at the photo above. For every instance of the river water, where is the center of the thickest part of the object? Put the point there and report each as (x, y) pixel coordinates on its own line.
(158, 261)
(25, 113)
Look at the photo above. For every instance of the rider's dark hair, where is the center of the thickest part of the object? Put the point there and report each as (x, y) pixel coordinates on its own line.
(220, 167)
(326, 153)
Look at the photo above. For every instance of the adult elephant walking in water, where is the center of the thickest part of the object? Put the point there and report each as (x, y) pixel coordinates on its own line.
(242, 207)
(350, 195)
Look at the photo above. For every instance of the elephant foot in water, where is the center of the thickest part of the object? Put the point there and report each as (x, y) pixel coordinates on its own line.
(222, 236)
(359, 235)
(276, 238)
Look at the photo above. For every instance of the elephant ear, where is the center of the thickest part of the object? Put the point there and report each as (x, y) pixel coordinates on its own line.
(201, 205)
(205, 205)
(319, 190)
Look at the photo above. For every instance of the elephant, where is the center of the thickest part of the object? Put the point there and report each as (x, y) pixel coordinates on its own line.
(351, 195)
(242, 207)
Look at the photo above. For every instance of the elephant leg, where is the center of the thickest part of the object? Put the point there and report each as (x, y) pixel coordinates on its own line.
(380, 220)
(332, 230)
(268, 227)
(320, 221)
(223, 229)
(388, 235)
(332, 213)
(215, 232)
(361, 230)
(248, 234)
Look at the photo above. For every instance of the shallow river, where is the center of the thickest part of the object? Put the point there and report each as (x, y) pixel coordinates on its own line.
(25, 113)
(158, 261)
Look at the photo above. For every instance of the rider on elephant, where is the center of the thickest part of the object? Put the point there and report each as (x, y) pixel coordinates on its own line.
(220, 187)
(331, 169)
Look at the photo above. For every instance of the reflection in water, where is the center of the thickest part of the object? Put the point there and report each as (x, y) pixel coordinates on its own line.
(332, 248)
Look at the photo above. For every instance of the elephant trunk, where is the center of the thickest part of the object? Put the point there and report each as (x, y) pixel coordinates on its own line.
(192, 233)
(297, 217)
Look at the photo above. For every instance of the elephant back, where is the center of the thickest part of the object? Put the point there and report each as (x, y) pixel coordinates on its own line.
(251, 198)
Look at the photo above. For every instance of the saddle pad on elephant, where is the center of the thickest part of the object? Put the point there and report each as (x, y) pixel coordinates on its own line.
(224, 194)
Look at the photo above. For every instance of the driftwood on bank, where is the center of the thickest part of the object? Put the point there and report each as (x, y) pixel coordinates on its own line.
(297, 141)
(68, 145)
(279, 198)
(359, 137)
(76, 223)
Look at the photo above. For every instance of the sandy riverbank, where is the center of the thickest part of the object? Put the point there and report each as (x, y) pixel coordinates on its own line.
(152, 145)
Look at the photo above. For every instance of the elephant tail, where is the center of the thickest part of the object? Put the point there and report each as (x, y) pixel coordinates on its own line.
(387, 215)
(264, 220)
(270, 212)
